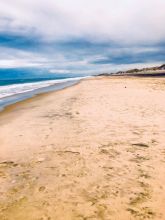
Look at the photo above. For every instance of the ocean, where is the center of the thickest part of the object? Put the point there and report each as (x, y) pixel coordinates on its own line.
(15, 90)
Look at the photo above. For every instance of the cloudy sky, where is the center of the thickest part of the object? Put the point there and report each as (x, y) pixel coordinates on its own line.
(81, 36)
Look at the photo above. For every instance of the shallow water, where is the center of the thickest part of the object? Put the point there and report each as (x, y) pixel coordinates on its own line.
(10, 94)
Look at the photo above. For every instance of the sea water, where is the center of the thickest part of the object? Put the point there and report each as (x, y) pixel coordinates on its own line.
(12, 91)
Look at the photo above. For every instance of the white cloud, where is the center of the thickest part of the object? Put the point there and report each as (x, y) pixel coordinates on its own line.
(13, 58)
(130, 23)
(15, 63)
(124, 21)
(54, 61)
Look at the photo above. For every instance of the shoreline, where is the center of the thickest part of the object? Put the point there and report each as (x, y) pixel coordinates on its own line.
(5, 107)
(94, 150)
(22, 95)
(35, 96)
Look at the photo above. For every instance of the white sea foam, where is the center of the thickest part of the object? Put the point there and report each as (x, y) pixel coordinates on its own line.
(10, 90)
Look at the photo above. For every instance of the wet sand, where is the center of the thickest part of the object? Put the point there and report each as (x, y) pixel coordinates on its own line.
(92, 151)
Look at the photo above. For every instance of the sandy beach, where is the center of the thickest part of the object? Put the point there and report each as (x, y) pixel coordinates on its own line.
(93, 151)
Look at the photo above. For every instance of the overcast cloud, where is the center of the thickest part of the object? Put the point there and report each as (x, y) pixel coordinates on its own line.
(81, 35)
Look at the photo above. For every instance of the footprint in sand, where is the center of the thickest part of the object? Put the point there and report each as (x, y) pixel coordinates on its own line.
(42, 189)
(8, 164)
(141, 145)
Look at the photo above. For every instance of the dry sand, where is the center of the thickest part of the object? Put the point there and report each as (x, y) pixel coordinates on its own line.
(92, 151)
